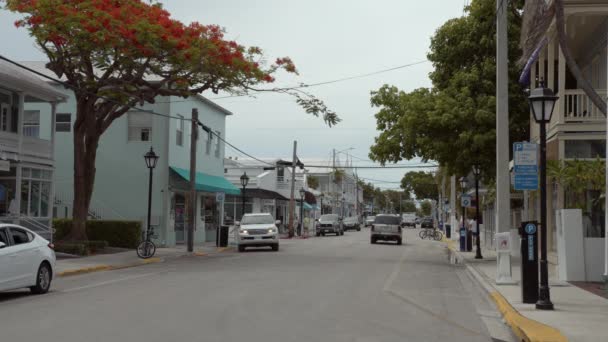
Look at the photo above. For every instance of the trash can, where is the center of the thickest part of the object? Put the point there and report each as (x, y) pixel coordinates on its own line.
(448, 231)
(469, 240)
(223, 236)
(463, 239)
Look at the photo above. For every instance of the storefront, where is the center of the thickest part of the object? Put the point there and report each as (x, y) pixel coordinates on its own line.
(32, 200)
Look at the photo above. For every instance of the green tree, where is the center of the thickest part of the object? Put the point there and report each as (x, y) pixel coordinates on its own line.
(453, 123)
(409, 207)
(313, 182)
(121, 53)
(421, 184)
(425, 208)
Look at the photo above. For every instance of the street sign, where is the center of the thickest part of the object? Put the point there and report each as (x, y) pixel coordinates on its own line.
(525, 166)
(465, 201)
(530, 228)
(219, 196)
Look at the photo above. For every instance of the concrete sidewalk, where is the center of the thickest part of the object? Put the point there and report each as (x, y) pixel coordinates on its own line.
(103, 262)
(579, 315)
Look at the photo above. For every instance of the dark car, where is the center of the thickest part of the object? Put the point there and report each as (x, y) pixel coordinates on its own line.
(351, 223)
(427, 223)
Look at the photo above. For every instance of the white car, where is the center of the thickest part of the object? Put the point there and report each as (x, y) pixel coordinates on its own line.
(26, 260)
(258, 230)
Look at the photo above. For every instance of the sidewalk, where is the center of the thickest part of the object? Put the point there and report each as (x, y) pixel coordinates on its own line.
(94, 263)
(579, 315)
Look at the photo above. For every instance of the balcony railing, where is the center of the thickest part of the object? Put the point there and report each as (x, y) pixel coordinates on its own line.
(577, 107)
(9, 142)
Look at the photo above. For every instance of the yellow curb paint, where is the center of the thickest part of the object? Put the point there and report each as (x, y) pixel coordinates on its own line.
(526, 329)
(84, 270)
(200, 254)
(151, 261)
(223, 249)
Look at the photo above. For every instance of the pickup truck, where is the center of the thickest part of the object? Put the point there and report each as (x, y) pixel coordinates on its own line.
(386, 228)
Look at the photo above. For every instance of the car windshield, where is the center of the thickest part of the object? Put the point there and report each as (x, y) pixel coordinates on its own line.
(350, 219)
(257, 219)
(371, 218)
(331, 217)
(386, 220)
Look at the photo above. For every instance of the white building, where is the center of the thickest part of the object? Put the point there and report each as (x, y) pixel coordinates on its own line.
(27, 138)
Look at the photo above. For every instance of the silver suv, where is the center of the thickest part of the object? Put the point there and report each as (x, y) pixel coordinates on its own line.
(258, 230)
(330, 223)
(386, 227)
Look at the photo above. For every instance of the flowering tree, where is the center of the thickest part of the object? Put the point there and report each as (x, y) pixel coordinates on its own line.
(116, 54)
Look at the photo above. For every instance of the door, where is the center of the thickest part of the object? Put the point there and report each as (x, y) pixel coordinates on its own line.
(6, 268)
(23, 255)
(210, 215)
(180, 218)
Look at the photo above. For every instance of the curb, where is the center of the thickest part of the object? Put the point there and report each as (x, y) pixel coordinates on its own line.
(526, 329)
(99, 268)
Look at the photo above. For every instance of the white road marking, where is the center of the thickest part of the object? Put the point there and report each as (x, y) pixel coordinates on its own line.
(79, 288)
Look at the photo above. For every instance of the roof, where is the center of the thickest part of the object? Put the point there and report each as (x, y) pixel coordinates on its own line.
(40, 66)
(17, 79)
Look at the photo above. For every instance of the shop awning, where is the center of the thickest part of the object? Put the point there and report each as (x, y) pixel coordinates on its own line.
(206, 182)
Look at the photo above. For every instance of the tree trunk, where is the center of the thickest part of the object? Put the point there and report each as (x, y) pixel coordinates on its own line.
(86, 140)
(576, 71)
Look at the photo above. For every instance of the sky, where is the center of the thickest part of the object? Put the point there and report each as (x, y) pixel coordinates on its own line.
(327, 40)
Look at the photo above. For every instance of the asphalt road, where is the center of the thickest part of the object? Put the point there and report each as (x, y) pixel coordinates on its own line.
(320, 289)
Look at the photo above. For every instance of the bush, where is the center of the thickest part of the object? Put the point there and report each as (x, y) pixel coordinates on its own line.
(125, 234)
(72, 248)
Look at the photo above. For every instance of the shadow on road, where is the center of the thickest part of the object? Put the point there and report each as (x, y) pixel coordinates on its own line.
(12, 295)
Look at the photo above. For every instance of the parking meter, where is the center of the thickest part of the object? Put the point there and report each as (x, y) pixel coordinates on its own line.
(463, 239)
(529, 261)
(469, 240)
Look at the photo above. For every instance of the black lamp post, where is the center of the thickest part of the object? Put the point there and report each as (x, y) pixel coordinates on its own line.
(542, 100)
(151, 158)
(463, 186)
(343, 202)
(477, 173)
(244, 182)
(302, 193)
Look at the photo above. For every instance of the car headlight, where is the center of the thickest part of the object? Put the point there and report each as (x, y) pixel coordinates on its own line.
(244, 232)
(272, 230)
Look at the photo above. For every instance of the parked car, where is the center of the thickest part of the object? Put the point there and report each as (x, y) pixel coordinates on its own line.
(427, 222)
(369, 221)
(386, 228)
(26, 260)
(408, 220)
(417, 221)
(329, 223)
(351, 223)
(258, 230)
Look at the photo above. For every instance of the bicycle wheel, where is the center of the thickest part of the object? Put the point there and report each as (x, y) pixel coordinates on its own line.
(422, 234)
(438, 235)
(146, 249)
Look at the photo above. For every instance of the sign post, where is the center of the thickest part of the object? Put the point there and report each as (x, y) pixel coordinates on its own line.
(529, 261)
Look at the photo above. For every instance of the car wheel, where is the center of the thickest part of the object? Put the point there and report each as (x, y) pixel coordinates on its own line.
(275, 247)
(399, 242)
(318, 234)
(43, 279)
(358, 229)
(241, 248)
(372, 240)
(322, 234)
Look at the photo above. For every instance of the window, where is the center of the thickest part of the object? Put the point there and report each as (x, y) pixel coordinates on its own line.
(179, 133)
(63, 122)
(3, 237)
(585, 149)
(31, 123)
(36, 192)
(217, 143)
(209, 141)
(20, 236)
(280, 174)
(140, 127)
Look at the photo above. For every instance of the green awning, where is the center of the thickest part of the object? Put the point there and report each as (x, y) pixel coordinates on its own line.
(208, 183)
(306, 206)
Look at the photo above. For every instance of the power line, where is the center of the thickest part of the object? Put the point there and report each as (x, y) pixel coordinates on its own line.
(376, 167)
(210, 131)
(302, 86)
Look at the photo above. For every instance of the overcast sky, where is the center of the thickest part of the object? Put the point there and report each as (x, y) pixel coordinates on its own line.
(327, 40)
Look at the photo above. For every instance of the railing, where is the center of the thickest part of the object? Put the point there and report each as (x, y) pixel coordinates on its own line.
(577, 107)
(9, 142)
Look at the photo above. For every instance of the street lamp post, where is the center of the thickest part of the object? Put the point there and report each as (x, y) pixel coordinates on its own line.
(151, 158)
(302, 193)
(343, 202)
(321, 198)
(463, 186)
(542, 100)
(477, 173)
(244, 182)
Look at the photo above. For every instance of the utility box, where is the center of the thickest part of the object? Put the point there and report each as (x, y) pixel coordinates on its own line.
(528, 232)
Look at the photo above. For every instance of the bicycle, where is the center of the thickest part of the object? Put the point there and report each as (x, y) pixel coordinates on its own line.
(431, 233)
(146, 247)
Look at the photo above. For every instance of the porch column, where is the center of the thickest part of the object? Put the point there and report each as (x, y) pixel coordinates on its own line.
(561, 88)
(551, 64)
(18, 192)
(20, 116)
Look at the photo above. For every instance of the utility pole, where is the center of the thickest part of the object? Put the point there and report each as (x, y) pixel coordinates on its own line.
(192, 213)
(503, 179)
(453, 222)
(292, 204)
